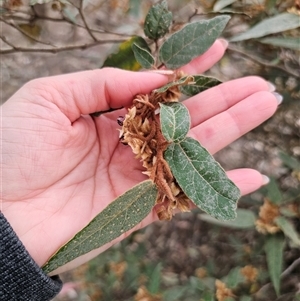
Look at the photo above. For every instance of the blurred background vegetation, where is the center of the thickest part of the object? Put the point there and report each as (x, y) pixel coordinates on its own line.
(257, 257)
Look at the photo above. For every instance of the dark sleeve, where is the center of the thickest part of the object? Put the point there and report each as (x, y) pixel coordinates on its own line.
(21, 279)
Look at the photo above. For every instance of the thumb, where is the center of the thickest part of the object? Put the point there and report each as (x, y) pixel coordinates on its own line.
(87, 92)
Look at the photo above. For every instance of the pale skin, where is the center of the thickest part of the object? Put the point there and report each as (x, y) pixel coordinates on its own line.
(61, 167)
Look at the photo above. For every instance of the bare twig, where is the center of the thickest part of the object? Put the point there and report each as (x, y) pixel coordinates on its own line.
(15, 49)
(35, 16)
(24, 32)
(65, 20)
(290, 268)
(262, 62)
(193, 15)
(80, 10)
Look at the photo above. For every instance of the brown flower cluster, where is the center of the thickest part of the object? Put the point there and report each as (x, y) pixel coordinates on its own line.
(267, 214)
(222, 292)
(141, 131)
(250, 273)
(118, 268)
(144, 295)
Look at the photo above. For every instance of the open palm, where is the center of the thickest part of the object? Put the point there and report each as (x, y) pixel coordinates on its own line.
(61, 166)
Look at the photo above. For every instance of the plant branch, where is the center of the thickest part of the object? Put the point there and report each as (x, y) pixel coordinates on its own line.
(15, 49)
(80, 10)
(65, 20)
(24, 32)
(261, 62)
(290, 268)
(193, 15)
(36, 16)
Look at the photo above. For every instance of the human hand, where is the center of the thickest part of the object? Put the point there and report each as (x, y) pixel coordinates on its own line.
(61, 167)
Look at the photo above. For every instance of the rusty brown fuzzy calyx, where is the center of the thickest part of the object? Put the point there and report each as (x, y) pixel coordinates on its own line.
(141, 131)
(267, 214)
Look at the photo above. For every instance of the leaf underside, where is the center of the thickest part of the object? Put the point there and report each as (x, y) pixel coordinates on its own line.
(202, 179)
(182, 81)
(143, 57)
(278, 23)
(201, 83)
(285, 42)
(191, 41)
(245, 220)
(120, 216)
(174, 121)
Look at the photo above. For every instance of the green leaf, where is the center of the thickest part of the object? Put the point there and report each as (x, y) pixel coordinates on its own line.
(182, 81)
(174, 121)
(174, 293)
(288, 229)
(202, 179)
(196, 284)
(69, 14)
(154, 281)
(208, 296)
(279, 23)
(143, 56)
(245, 220)
(220, 4)
(191, 41)
(289, 161)
(270, 4)
(285, 42)
(274, 247)
(273, 192)
(233, 278)
(246, 298)
(118, 217)
(124, 57)
(201, 83)
(158, 21)
(134, 7)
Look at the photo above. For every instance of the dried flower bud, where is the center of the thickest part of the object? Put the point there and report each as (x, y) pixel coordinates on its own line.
(250, 273)
(222, 292)
(267, 214)
(141, 131)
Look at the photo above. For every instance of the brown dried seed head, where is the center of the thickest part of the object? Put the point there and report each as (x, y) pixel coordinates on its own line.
(175, 189)
(141, 131)
(250, 273)
(144, 295)
(265, 228)
(222, 292)
(183, 203)
(267, 214)
(201, 273)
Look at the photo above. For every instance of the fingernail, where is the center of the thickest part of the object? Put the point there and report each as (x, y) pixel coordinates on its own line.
(224, 42)
(265, 180)
(278, 97)
(272, 87)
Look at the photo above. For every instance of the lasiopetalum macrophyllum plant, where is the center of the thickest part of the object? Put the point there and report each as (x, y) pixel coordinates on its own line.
(180, 170)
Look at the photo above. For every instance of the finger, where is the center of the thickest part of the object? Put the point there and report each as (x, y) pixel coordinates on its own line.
(87, 92)
(222, 129)
(247, 180)
(208, 59)
(218, 99)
